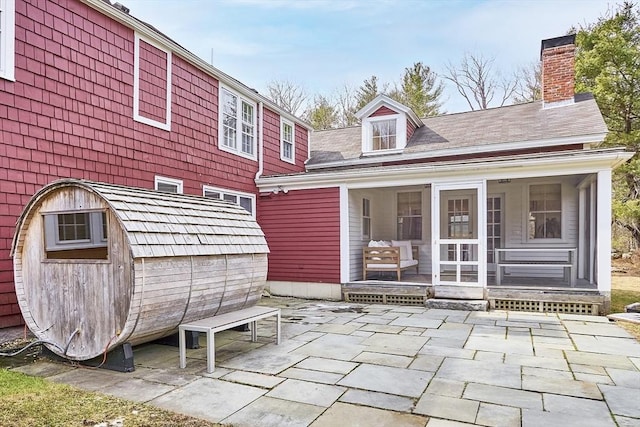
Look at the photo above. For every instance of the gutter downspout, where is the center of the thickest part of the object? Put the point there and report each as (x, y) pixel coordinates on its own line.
(260, 140)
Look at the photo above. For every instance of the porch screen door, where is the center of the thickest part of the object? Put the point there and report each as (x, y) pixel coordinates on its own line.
(459, 234)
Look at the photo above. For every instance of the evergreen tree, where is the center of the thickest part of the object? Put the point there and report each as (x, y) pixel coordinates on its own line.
(608, 65)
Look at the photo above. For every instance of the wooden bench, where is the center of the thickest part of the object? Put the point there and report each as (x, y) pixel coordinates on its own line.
(211, 325)
(567, 261)
(386, 259)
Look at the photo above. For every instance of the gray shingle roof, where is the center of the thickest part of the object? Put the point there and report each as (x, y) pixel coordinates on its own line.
(479, 129)
(164, 224)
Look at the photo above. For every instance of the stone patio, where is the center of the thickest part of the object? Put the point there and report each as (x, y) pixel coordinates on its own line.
(385, 365)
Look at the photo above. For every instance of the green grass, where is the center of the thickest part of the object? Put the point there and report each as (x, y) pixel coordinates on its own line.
(621, 298)
(31, 401)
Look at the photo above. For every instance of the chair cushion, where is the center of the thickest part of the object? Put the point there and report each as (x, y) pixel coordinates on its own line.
(406, 252)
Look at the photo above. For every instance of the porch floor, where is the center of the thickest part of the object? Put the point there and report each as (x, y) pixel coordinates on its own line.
(519, 294)
(507, 282)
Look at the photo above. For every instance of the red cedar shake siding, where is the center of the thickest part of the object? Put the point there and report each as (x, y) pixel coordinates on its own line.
(272, 163)
(383, 111)
(411, 128)
(153, 82)
(69, 114)
(558, 81)
(303, 232)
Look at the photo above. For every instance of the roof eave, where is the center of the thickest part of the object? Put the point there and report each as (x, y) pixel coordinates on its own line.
(598, 158)
(475, 149)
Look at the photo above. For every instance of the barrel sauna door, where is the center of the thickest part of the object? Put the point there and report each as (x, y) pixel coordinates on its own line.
(82, 308)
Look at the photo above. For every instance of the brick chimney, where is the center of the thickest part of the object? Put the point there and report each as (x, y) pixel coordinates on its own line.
(558, 69)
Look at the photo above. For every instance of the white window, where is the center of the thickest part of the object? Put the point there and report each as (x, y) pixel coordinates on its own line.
(384, 134)
(7, 39)
(84, 233)
(409, 213)
(545, 211)
(287, 141)
(366, 219)
(142, 70)
(236, 124)
(168, 185)
(246, 200)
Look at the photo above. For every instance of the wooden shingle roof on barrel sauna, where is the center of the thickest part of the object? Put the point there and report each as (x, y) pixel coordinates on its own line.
(164, 259)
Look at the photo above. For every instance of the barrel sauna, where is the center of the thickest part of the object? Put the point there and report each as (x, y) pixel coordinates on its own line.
(97, 265)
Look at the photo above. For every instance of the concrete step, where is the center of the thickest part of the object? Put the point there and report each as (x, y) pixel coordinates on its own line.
(459, 292)
(458, 304)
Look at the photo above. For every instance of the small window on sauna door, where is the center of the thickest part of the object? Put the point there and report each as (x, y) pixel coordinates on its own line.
(494, 226)
(409, 212)
(76, 235)
(545, 211)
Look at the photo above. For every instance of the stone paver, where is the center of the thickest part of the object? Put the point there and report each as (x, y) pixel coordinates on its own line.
(559, 385)
(343, 414)
(356, 364)
(327, 365)
(622, 400)
(385, 379)
(378, 400)
(480, 372)
(383, 359)
(313, 376)
(209, 399)
(503, 396)
(579, 408)
(498, 416)
(270, 412)
(307, 392)
(447, 407)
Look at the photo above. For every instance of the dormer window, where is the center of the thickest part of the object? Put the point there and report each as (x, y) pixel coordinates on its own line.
(383, 134)
(386, 126)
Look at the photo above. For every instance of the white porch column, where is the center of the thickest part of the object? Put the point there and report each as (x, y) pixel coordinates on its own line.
(582, 204)
(603, 236)
(344, 235)
(592, 232)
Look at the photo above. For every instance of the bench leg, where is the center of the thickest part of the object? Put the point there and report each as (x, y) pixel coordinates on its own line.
(211, 352)
(183, 349)
(254, 331)
(498, 274)
(278, 328)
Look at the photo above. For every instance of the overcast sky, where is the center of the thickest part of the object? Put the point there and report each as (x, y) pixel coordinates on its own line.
(324, 44)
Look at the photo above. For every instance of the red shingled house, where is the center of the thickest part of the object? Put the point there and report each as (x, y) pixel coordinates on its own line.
(88, 91)
(510, 199)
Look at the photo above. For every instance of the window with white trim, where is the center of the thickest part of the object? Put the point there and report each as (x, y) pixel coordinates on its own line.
(246, 200)
(366, 219)
(409, 215)
(545, 211)
(236, 124)
(7, 39)
(287, 141)
(151, 89)
(168, 185)
(76, 235)
(384, 134)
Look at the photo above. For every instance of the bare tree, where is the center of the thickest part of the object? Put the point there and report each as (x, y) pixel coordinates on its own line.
(478, 83)
(528, 83)
(345, 100)
(289, 96)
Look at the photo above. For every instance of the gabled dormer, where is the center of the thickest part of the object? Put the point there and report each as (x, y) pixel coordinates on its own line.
(387, 125)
